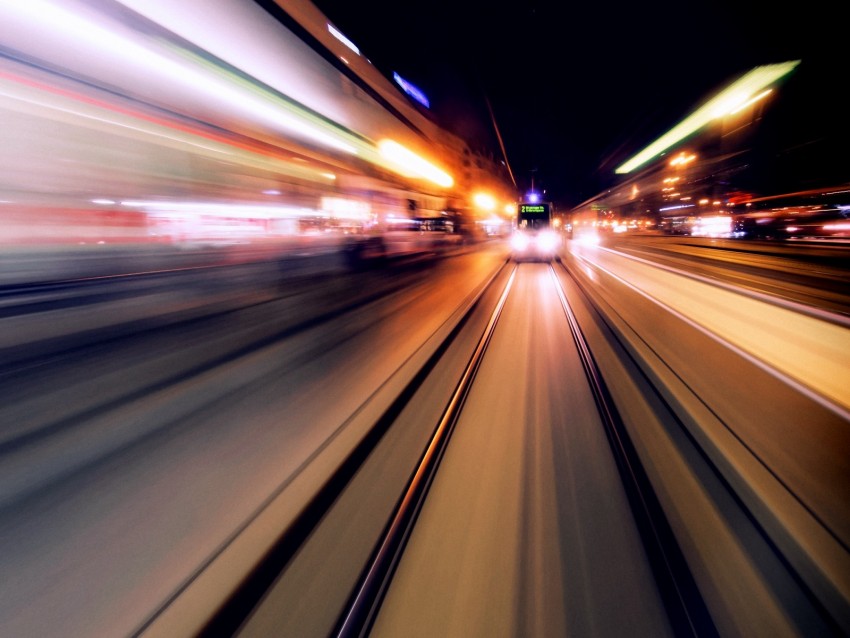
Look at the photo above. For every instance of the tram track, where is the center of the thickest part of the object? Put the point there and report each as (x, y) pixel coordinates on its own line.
(722, 497)
(361, 610)
(229, 607)
(686, 610)
(248, 610)
(326, 565)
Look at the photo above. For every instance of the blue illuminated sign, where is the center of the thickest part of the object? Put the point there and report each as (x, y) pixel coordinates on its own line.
(411, 90)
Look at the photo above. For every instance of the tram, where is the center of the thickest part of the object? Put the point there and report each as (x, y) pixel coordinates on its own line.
(535, 236)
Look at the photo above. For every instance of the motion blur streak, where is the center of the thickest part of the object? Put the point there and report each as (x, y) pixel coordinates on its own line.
(729, 100)
(191, 73)
(232, 128)
(809, 353)
(241, 274)
(412, 163)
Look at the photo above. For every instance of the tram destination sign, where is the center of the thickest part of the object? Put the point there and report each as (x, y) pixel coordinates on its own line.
(534, 209)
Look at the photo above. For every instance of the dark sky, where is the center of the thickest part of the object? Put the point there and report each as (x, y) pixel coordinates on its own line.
(578, 87)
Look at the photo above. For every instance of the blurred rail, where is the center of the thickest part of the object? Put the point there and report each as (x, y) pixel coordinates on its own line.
(762, 441)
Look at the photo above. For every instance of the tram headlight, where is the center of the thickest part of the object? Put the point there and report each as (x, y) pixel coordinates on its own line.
(547, 241)
(519, 241)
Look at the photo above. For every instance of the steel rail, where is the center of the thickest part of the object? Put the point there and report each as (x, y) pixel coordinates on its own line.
(248, 593)
(686, 609)
(366, 600)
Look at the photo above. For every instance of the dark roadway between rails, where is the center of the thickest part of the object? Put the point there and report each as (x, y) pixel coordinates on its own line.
(651, 438)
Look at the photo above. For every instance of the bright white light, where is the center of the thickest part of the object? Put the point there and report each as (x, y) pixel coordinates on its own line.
(519, 241)
(105, 202)
(339, 36)
(588, 239)
(547, 241)
(713, 227)
(343, 208)
(211, 209)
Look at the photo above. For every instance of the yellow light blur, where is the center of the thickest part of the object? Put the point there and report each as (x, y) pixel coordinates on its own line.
(509, 209)
(682, 159)
(758, 97)
(485, 201)
(731, 97)
(407, 162)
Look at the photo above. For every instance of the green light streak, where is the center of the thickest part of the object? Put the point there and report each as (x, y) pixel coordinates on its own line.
(728, 100)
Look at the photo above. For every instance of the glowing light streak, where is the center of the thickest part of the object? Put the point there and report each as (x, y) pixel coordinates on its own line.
(731, 97)
(758, 97)
(212, 209)
(410, 163)
(485, 201)
(343, 208)
(339, 36)
(114, 45)
(79, 111)
(412, 90)
(29, 97)
(681, 159)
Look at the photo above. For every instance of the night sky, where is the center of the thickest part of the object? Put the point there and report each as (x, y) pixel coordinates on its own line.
(578, 87)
